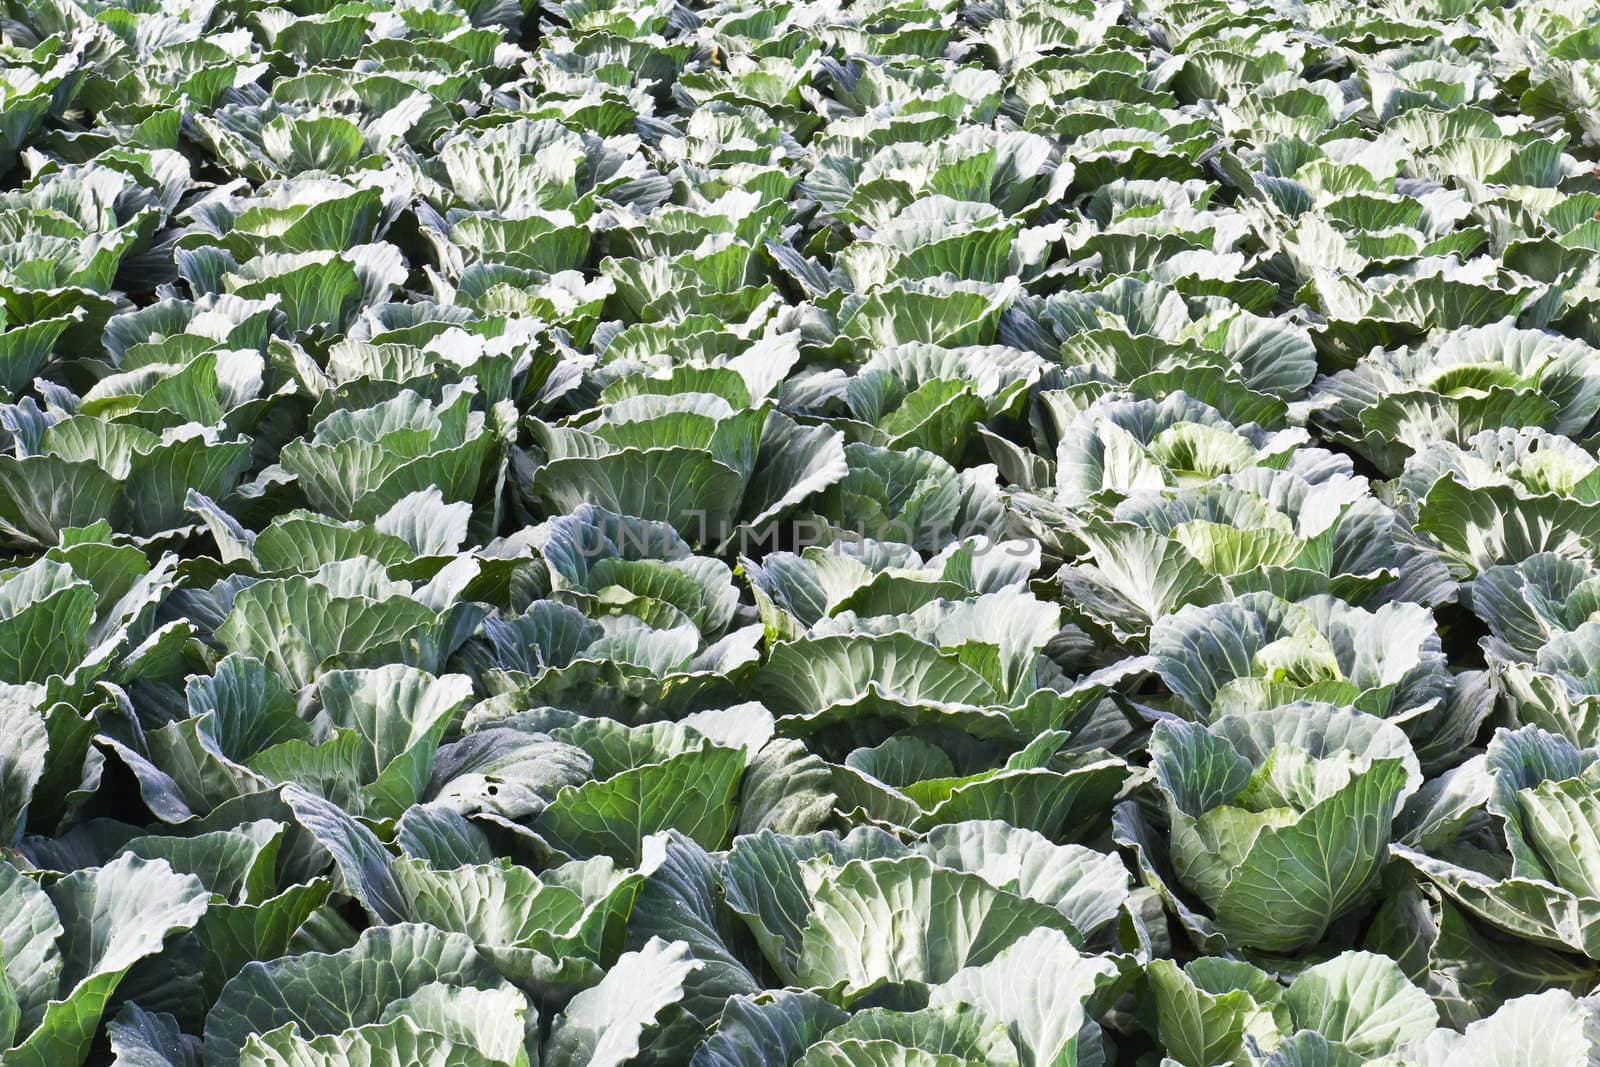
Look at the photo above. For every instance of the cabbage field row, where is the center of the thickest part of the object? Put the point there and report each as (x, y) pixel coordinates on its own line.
(799, 533)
